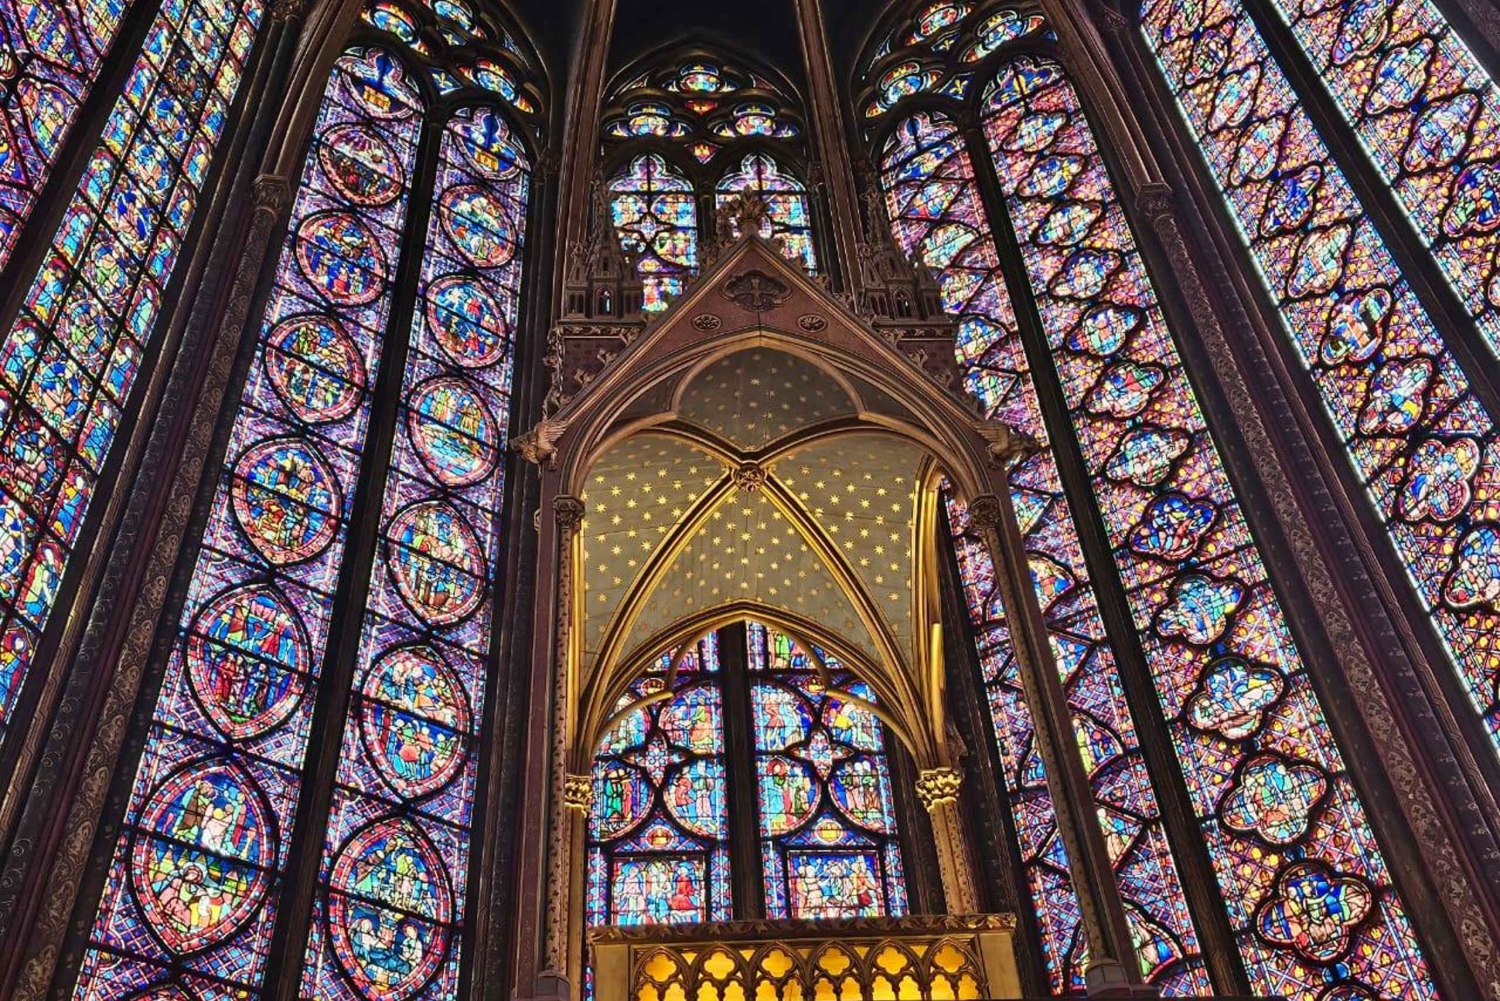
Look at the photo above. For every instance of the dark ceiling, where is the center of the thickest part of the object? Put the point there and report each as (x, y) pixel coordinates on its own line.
(765, 30)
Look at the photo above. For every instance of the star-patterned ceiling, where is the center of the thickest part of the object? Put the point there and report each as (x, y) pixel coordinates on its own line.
(749, 551)
(862, 492)
(754, 397)
(831, 531)
(638, 492)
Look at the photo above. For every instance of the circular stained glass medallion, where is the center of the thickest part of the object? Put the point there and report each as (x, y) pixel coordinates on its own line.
(467, 321)
(361, 165)
(436, 562)
(388, 909)
(695, 798)
(453, 431)
(479, 224)
(341, 257)
(247, 657)
(415, 720)
(286, 499)
(198, 861)
(315, 368)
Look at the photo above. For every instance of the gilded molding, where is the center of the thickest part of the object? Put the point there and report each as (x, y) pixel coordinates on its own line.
(578, 792)
(937, 787)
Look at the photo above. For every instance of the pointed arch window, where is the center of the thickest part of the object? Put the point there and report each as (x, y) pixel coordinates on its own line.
(655, 213)
(697, 131)
(359, 380)
(659, 826)
(788, 215)
(1418, 438)
(827, 815)
(1200, 626)
(820, 799)
(89, 318)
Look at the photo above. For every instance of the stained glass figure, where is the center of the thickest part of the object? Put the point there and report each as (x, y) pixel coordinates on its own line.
(787, 220)
(937, 218)
(829, 846)
(388, 923)
(50, 55)
(1429, 114)
(1308, 891)
(194, 884)
(658, 832)
(653, 209)
(1417, 436)
(72, 355)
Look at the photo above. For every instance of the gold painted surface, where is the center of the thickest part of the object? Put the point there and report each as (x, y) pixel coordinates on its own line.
(862, 493)
(636, 494)
(880, 959)
(747, 550)
(753, 397)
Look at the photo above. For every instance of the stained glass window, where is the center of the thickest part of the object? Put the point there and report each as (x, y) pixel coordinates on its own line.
(1429, 115)
(827, 817)
(71, 357)
(195, 882)
(787, 219)
(653, 209)
(390, 912)
(726, 118)
(1415, 433)
(50, 55)
(1309, 896)
(937, 218)
(659, 826)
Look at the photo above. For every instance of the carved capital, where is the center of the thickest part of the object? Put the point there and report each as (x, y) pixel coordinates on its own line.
(985, 511)
(749, 476)
(1114, 22)
(539, 445)
(287, 10)
(936, 786)
(271, 192)
(1154, 200)
(568, 511)
(578, 792)
(548, 163)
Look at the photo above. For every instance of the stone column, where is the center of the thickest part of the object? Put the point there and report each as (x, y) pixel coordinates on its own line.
(937, 790)
(1112, 969)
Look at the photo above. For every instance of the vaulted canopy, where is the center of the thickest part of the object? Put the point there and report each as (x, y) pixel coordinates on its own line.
(760, 453)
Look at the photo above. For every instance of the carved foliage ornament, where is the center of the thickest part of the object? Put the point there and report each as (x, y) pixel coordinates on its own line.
(936, 786)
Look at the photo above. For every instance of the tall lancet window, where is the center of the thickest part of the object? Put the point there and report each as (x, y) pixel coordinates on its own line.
(320, 635)
(1418, 438)
(659, 830)
(818, 793)
(683, 137)
(53, 53)
(90, 305)
(827, 815)
(1145, 566)
(655, 214)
